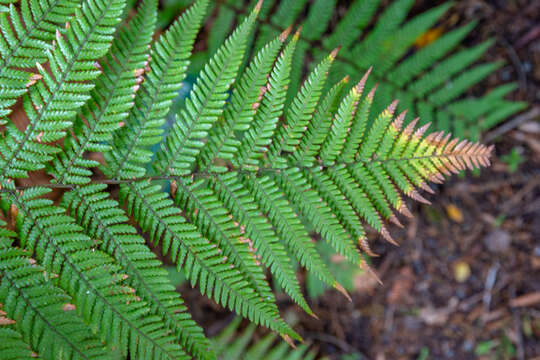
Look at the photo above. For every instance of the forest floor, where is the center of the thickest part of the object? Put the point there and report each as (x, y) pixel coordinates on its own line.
(465, 281)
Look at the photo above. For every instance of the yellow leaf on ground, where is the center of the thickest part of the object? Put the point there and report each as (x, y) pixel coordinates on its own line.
(454, 213)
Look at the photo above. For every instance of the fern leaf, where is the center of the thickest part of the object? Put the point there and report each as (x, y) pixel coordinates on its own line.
(257, 138)
(409, 74)
(350, 27)
(216, 223)
(168, 65)
(319, 126)
(110, 101)
(103, 219)
(41, 314)
(197, 256)
(259, 234)
(317, 212)
(241, 109)
(13, 346)
(204, 104)
(286, 223)
(52, 103)
(90, 277)
(25, 43)
(300, 111)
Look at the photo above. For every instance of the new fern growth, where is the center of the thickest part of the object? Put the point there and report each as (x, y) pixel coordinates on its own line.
(245, 177)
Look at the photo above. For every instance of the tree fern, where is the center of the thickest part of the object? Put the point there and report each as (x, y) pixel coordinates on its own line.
(255, 167)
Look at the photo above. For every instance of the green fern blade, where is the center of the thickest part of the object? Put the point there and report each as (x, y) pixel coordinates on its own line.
(168, 65)
(259, 136)
(101, 217)
(369, 50)
(332, 195)
(195, 255)
(374, 192)
(110, 101)
(361, 204)
(336, 140)
(464, 81)
(318, 213)
(318, 128)
(52, 103)
(358, 128)
(13, 347)
(25, 45)
(266, 243)
(287, 225)
(204, 105)
(239, 112)
(300, 111)
(90, 277)
(216, 223)
(33, 302)
(447, 68)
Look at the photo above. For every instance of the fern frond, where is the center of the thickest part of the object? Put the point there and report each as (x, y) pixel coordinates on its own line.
(201, 260)
(168, 64)
(257, 138)
(390, 45)
(27, 35)
(53, 101)
(90, 277)
(286, 223)
(259, 234)
(204, 105)
(216, 223)
(110, 101)
(41, 314)
(242, 107)
(102, 219)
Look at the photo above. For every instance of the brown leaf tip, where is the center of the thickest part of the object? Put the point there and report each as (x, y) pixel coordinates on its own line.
(285, 34)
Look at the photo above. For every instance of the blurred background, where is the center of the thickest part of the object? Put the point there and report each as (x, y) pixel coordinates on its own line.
(465, 281)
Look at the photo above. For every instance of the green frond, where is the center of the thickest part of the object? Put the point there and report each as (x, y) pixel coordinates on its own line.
(110, 101)
(259, 234)
(242, 107)
(43, 320)
(216, 223)
(53, 101)
(258, 137)
(317, 212)
(201, 260)
(425, 78)
(286, 223)
(26, 35)
(319, 126)
(90, 277)
(257, 167)
(169, 59)
(204, 104)
(301, 109)
(13, 346)
(101, 218)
